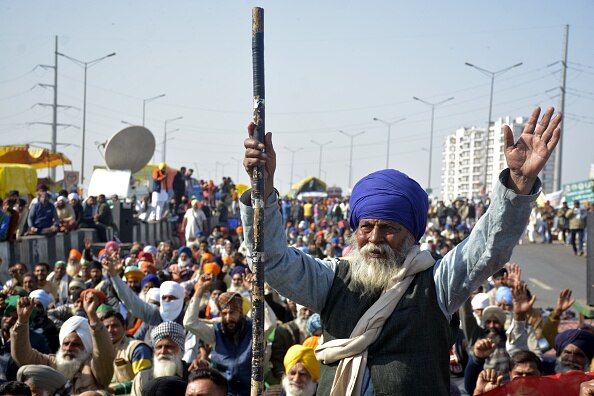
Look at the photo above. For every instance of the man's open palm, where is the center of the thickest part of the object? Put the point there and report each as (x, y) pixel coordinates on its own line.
(527, 157)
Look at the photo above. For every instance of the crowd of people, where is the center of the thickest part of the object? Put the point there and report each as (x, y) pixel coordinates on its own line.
(176, 318)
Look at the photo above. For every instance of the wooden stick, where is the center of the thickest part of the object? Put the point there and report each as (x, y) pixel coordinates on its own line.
(258, 200)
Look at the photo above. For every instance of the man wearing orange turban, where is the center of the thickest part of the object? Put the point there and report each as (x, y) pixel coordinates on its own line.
(302, 371)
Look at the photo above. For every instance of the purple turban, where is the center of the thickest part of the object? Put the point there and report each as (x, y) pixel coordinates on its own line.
(580, 338)
(390, 195)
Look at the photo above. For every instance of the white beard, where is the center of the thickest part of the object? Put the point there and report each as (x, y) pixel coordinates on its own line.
(292, 389)
(168, 365)
(561, 367)
(69, 366)
(370, 275)
(236, 289)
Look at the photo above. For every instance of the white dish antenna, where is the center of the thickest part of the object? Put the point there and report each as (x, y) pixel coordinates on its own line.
(130, 149)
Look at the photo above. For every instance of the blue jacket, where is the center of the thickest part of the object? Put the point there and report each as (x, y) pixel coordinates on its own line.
(43, 215)
(234, 360)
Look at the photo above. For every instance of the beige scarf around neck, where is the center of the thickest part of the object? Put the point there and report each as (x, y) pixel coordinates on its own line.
(352, 352)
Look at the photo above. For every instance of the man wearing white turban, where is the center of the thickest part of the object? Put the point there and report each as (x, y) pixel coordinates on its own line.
(86, 354)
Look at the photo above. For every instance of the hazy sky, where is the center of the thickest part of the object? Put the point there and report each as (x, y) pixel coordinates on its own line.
(330, 66)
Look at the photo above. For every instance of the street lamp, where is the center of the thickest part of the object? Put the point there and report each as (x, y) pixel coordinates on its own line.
(85, 66)
(321, 146)
(431, 136)
(164, 153)
(352, 136)
(492, 75)
(144, 102)
(292, 163)
(389, 124)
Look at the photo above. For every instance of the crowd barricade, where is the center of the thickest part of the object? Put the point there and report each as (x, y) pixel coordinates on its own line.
(40, 248)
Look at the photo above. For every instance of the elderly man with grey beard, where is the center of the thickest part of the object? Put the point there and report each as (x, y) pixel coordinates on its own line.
(85, 356)
(168, 342)
(386, 308)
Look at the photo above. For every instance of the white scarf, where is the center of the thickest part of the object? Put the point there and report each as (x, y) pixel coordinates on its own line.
(352, 352)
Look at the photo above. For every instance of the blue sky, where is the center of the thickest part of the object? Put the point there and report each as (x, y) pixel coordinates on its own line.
(330, 66)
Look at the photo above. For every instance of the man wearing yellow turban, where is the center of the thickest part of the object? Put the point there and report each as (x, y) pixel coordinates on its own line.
(303, 371)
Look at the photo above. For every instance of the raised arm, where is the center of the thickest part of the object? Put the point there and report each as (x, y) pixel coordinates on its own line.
(492, 240)
(201, 328)
(146, 312)
(20, 345)
(103, 352)
(292, 273)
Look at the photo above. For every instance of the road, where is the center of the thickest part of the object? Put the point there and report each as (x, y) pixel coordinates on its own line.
(549, 268)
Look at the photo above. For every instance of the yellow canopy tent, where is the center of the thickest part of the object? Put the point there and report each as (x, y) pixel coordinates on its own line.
(38, 158)
(309, 185)
(17, 177)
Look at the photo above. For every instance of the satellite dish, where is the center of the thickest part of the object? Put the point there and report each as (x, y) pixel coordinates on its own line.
(130, 149)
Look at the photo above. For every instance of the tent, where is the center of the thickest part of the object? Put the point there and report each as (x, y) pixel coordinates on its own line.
(17, 177)
(38, 158)
(310, 187)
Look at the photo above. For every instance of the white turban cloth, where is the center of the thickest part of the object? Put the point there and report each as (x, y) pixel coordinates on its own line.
(81, 326)
(154, 293)
(170, 310)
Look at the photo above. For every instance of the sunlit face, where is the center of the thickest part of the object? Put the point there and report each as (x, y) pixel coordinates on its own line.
(166, 346)
(574, 357)
(231, 318)
(381, 231)
(40, 273)
(299, 376)
(115, 329)
(72, 345)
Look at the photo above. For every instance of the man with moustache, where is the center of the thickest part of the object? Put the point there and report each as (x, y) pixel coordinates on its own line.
(168, 344)
(575, 349)
(85, 356)
(230, 339)
(386, 309)
(302, 371)
(132, 356)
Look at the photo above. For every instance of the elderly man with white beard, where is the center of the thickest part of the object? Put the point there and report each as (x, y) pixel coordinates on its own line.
(168, 344)
(85, 356)
(302, 371)
(386, 309)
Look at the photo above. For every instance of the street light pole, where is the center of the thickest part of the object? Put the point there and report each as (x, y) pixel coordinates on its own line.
(292, 163)
(85, 65)
(491, 74)
(389, 125)
(164, 153)
(320, 164)
(352, 136)
(431, 135)
(144, 102)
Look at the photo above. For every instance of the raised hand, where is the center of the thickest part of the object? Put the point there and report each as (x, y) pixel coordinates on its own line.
(247, 280)
(483, 348)
(112, 264)
(25, 306)
(257, 153)
(522, 303)
(528, 156)
(90, 305)
(514, 275)
(487, 380)
(564, 302)
(203, 284)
